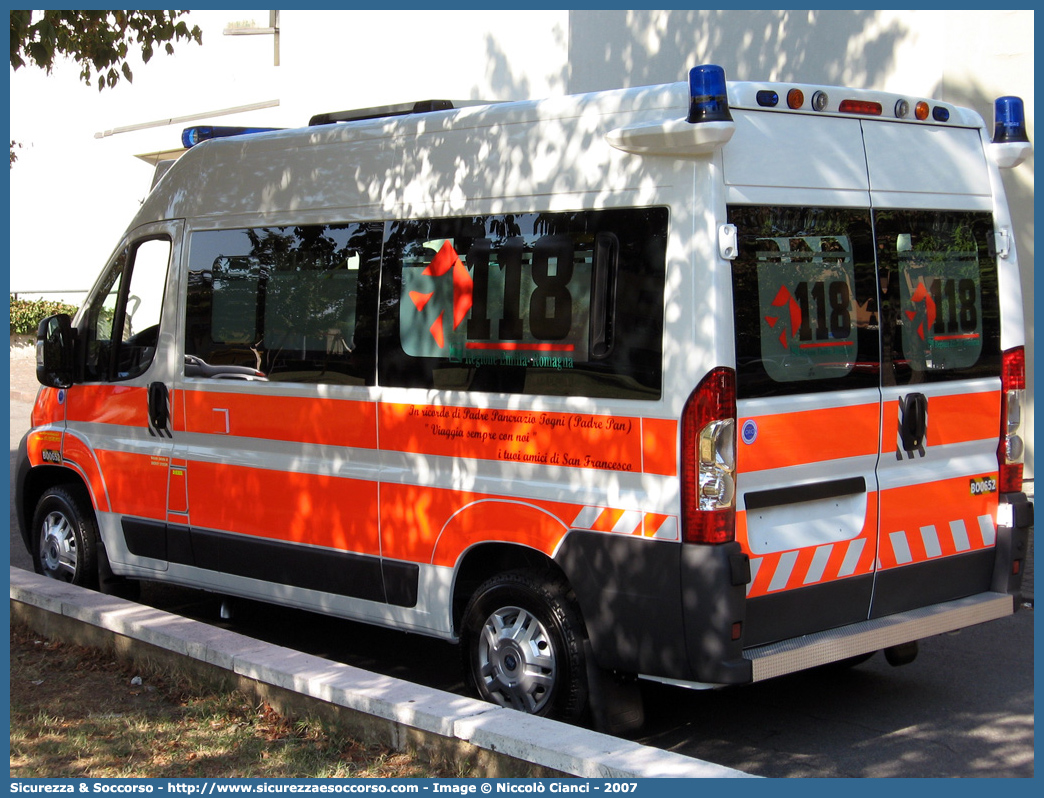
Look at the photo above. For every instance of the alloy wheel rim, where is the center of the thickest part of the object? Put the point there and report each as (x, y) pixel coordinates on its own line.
(517, 660)
(58, 552)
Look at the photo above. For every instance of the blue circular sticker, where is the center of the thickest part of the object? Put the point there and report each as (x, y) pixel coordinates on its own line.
(61, 396)
(749, 433)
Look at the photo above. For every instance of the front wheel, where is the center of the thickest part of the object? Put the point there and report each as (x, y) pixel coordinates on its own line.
(522, 639)
(65, 543)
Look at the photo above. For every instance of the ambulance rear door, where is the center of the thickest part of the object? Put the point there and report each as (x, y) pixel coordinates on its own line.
(808, 371)
(934, 227)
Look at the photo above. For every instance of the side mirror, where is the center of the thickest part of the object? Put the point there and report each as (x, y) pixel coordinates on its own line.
(54, 351)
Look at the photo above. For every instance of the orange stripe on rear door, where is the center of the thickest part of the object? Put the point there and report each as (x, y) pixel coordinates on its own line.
(810, 436)
(936, 519)
(963, 417)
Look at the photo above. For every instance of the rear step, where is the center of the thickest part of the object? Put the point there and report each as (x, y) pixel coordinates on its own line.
(788, 656)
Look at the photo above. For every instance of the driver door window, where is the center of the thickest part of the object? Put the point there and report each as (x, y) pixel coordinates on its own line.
(123, 319)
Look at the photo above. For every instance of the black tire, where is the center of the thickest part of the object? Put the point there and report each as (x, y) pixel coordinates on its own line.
(65, 537)
(523, 644)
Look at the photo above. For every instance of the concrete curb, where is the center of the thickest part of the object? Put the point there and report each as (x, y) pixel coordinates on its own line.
(416, 712)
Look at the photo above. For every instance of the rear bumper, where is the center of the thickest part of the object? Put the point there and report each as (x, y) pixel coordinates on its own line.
(832, 645)
(1012, 544)
(999, 596)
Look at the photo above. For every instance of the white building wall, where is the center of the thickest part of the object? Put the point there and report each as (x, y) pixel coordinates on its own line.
(73, 193)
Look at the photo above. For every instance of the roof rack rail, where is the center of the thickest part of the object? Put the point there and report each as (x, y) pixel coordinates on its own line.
(380, 111)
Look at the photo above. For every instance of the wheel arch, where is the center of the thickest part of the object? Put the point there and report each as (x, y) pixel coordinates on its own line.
(482, 561)
(33, 482)
(491, 536)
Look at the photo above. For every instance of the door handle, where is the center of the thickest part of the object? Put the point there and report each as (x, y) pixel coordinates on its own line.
(913, 424)
(159, 410)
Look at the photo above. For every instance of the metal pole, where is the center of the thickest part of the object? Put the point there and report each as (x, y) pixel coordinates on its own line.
(273, 23)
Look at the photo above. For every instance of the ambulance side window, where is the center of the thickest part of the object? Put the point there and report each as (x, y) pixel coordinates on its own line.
(122, 322)
(295, 303)
(534, 303)
(805, 300)
(939, 292)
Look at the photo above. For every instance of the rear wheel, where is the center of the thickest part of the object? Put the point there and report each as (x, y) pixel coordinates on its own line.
(522, 639)
(65, 546)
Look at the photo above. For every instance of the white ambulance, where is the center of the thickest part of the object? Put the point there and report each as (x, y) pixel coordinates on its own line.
(701, 383)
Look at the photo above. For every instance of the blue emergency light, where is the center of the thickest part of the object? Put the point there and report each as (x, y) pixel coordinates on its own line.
(1009, 120)
(767, 98)
(192, 136)
(708, 97)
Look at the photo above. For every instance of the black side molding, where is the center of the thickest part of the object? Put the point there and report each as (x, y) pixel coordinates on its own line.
(834, 489)
(338, 572)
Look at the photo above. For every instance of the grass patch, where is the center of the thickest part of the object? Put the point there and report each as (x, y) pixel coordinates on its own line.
(79, 713)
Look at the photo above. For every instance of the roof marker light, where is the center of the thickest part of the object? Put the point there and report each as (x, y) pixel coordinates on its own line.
(795, 99)
(921, 110)
(819, 101)
(708, 97)
(865, 107)
(940, 114)
(1009, 120)
(902, 109)
(768, 99)
(191, 136)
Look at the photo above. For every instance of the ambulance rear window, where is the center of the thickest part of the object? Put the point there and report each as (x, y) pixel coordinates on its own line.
(832, 299)
(533, 303)
(803, 287)
(939, 277)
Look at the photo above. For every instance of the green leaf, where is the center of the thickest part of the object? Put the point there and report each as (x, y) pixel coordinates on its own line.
(94, 38)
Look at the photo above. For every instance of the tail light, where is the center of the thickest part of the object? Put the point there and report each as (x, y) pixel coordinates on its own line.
(1011, 450)
(709, 460)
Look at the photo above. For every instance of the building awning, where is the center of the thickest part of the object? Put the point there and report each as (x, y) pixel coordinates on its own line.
(154, 158)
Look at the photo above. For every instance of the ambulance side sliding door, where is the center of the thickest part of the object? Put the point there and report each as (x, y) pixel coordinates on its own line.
(280, 471)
